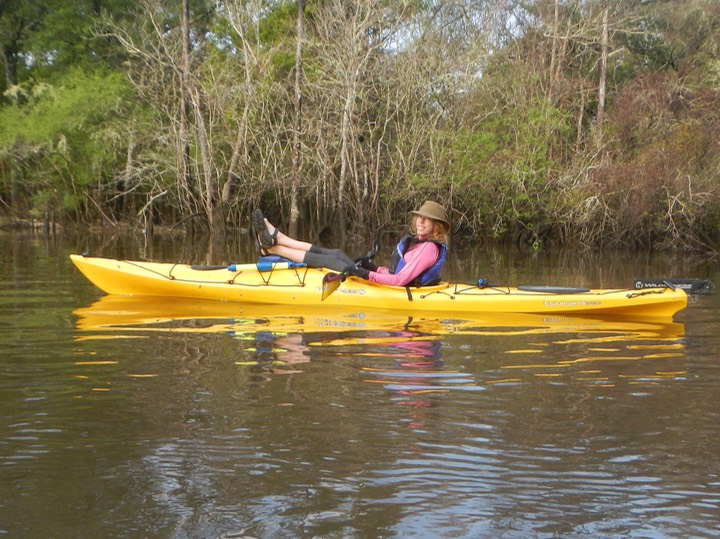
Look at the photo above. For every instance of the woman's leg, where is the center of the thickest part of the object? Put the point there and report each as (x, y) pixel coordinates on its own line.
(287, 241)
(302, 251)
(333, 259)
(296, 255)
(315, 257)
(286, 246)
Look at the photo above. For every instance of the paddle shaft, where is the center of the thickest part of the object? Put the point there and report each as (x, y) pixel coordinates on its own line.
(260, 266)
(691, 286)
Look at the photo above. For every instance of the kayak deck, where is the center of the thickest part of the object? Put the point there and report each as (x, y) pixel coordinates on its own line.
(283, 285)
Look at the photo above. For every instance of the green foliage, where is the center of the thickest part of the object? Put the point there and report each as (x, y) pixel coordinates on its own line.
(54, 133)
(278, 22)
(17, 19)
(496, 116)
(79, 99)
(502, 167)
(648, 47)
(44, 39)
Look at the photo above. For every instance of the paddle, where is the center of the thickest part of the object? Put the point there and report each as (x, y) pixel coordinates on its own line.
(331, 281)
(259, 266)
(207, 268)
(691, 286)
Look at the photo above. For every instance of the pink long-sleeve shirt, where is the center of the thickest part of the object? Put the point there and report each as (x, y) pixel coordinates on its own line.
(417, 259)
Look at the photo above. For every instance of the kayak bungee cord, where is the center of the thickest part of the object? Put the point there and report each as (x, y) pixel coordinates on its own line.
(470, 288)
(649, 291)
(233, 281)
(467, 291)
(266, 282)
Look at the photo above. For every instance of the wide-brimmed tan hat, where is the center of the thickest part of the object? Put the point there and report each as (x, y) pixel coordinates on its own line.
(432, 210)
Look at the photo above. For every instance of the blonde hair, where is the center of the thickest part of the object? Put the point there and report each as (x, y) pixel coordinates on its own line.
(440, 229)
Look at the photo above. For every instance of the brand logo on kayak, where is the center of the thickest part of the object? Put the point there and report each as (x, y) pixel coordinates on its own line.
(326, 322)
(571, 303)
(344, 291)
(360, 292)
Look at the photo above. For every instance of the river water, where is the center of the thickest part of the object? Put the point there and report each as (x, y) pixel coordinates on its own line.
(136, 418)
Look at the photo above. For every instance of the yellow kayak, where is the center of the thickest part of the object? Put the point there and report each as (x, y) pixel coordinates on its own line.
(289, 284)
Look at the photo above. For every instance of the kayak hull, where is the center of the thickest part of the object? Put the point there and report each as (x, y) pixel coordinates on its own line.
(302, 286)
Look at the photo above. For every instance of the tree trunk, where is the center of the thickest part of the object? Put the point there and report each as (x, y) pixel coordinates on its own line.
(580, 116)
(297, 125)
(149, 230)
(553, 53)
(184, 175)
(9, 57)
(126, 182)
(604, 51)
(341, 221)
(213, 210)
(239, 157)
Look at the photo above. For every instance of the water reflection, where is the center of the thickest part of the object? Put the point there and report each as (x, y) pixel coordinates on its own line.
(212, 420)
(402, 352)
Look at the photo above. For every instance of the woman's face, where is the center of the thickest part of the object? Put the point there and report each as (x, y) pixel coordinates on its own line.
(424, 226)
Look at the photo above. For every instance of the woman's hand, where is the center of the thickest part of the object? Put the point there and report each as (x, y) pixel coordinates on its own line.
(357, 272)
(366, 263)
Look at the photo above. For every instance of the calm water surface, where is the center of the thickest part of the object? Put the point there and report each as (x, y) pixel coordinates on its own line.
(136, 418)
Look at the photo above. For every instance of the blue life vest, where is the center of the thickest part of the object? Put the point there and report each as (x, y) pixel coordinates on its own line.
(428, 277)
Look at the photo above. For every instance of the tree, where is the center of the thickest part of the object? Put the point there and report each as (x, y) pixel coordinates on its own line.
(18, 19)
(297, 122)
(62, 140)
(532, 119)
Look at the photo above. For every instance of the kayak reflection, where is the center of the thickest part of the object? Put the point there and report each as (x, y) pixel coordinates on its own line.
(114, 315)
(399, 351)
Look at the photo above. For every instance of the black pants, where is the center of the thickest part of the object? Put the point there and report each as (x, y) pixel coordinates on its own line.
(334, 259)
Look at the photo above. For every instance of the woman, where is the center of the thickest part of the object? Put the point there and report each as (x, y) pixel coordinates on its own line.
(417, 258)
